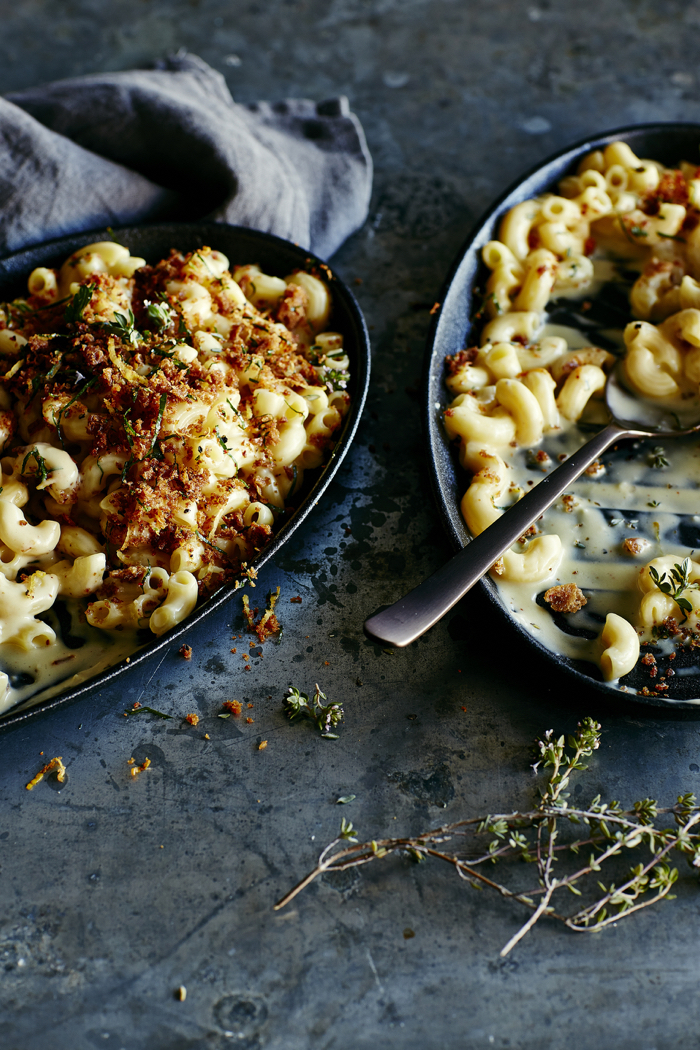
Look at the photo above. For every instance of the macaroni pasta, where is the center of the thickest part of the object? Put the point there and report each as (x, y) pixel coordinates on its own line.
(521, 393)
(156, 422)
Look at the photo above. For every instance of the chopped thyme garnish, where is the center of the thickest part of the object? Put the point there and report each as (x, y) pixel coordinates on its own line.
(74, 311)
(160, 313)
(41, 470)
(658, 458)
(123, 327)
(676, 585)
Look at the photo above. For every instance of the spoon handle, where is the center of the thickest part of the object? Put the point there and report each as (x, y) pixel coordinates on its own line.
(422, 607)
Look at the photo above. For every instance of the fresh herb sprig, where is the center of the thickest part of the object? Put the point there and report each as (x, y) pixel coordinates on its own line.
(76, 307)
(657, 458)
(160, 313)
(604, 830)
(124, 327)
(676, 584)
(325, 716)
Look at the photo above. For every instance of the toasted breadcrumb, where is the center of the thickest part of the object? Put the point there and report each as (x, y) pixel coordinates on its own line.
(268, 623)
(297, 599)
(635, 545)
(262, 745)
(233, 706)
(55, 763)
(499, 567)
(192, 719)
(566, 598)
(135, 770)
(185, 652)
(596, 469)
(250, 721)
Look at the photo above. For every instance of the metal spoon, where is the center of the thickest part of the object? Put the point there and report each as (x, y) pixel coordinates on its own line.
(630, 417)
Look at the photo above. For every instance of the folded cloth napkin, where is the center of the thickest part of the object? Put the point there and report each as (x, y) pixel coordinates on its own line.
(170, 143)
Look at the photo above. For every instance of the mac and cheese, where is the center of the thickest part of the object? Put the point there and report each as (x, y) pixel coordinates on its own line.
(156, 422)
(521, 395)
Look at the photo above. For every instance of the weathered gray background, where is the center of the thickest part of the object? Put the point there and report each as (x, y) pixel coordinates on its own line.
(98, 923)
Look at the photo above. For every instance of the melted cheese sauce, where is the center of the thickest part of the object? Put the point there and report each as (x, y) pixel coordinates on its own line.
(79, 653)
(631, 499)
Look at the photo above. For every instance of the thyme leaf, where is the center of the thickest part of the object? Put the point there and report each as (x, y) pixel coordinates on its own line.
(74, 311)
(324, 716)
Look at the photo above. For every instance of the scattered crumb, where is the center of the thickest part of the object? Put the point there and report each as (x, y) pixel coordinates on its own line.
(128, 659)
(207, 737)
(434, 308)
(245, 656)
(185, 652)
(566, 598)
(596, 469)
(250, 705)
(234, 650)
(268, 623)
(357, 280)
(233, 706)
(181, 992)
(297, 599)
(135, 770)
(250, 721)
(55, 763)
(528, 534)
(247, 667)
(262, 745)
(569, 502)
(464, 709)
(192, 719)
(499, 567)
(136, 706)
(635, 545)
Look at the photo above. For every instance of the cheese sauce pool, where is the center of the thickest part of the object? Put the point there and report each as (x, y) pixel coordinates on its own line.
(37, 675)
(632, 499)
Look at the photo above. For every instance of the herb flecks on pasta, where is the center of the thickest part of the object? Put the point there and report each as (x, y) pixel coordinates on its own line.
(155, 422)
(524, 384)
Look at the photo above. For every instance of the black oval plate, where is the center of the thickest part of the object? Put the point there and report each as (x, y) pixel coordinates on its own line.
(668, 143)
(241, 245)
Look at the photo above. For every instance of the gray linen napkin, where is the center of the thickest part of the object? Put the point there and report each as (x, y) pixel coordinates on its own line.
(139, 146)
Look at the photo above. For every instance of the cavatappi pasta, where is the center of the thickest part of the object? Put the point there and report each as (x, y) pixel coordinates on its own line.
(520, 395)
(155, 422)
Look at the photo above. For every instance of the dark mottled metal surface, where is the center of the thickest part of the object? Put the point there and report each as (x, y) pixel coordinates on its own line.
(98, 924)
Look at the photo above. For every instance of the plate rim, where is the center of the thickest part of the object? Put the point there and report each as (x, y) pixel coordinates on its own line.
(360, 378)
(433, 386)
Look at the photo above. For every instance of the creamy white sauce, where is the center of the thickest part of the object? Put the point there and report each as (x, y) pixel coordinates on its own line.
(42, 672)
(593, 555)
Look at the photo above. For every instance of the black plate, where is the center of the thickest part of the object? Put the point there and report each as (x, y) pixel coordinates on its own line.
(450, 331)
(241, 245)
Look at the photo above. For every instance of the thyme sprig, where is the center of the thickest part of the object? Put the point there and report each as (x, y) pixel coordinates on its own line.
(75, 308)
(676, 584)
(604, 830)
(160, 313)
(124, 327)
(325, 716)
(657, 458)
